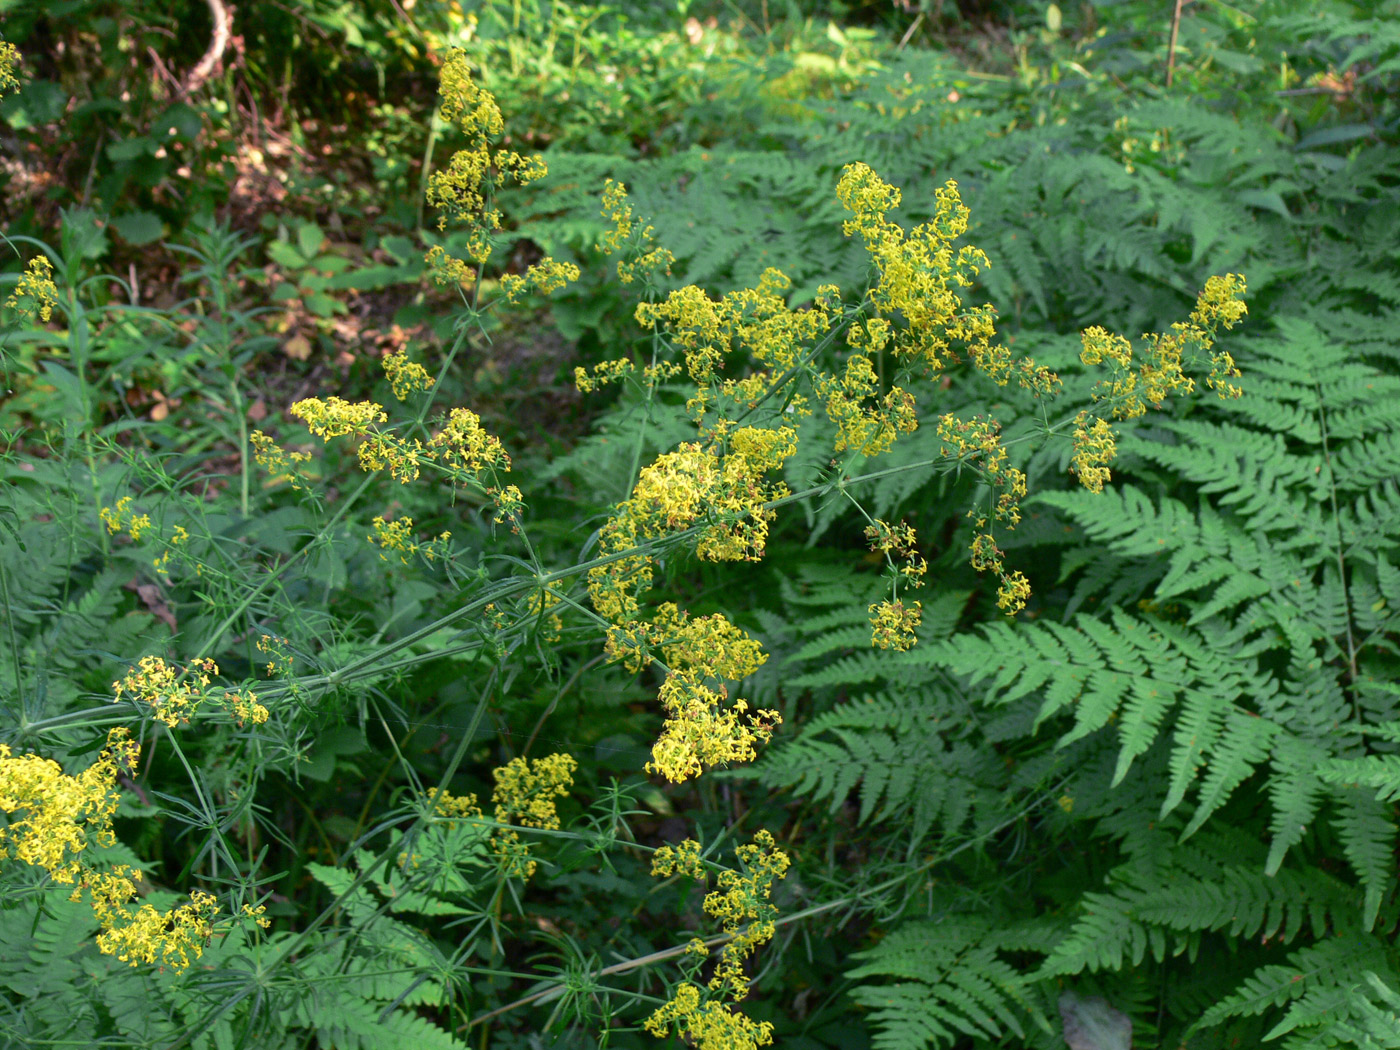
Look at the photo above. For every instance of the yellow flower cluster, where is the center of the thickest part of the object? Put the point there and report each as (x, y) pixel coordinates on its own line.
(524, 795)
(681, 859)
(723, 492)
(177, 542)
(446, 270)
(643, 259)
(277, 650)
(617, 211)
(898, 539)
(1128, 391)
(464, 452)
(919, 274)
(277, 461)
(463, 443)
(335, 417)
(602, 374)
(465, 189)
(978, 441)
(172, 938)
(258, 913)
(866, 420)
(9, 58)
(119, 519)
(987, 556)
(756, 320)
(243, 704)
(1220, 304)
(915, 313)
(717, 485)
(1131, 385)
(35, 293)
(544, 277)
(174, 696)
(406, 376)
(397, 535)
(62, 813)
(61, 816)
(464, 807)
(709, 1025)
(893, 622)
(690, 486)
(1094, 449)
(742, 905)
(700, 654)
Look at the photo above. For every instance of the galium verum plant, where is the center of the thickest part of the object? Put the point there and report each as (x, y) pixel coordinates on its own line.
(756, 371)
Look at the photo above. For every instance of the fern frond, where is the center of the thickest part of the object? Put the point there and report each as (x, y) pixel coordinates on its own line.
(1335, 962)
(950, 983)
(1367, 829)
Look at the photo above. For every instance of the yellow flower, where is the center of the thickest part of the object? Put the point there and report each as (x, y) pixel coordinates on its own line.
(681, 859)
(35, 292)
(119, 517)
(603, 373)
(463, 443)
(700, 732)
(919, 272)
(742, 905)
(708, 1026)
(1220, 302)
(257, 914)
(53, 817)
(892, 624)
(464, 188)
(644, 261)
(175, 696)
(406, 376)
(170, 938)
(446, 270)
(471, 108)
(281, 464)
(62, 814)
(545, 276)
(398, 536)
(335, 417)
(524, 794)
(446, 804)
(618, 212)
(245, 707)
(280, 662)
(9, 58)
(1160, 373)
(1094, 449)
(1013, 592)
(380, 451)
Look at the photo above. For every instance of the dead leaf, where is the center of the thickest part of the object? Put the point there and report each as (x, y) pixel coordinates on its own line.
(163, 405)
(298, 347)
(257, 411)
(150, 596)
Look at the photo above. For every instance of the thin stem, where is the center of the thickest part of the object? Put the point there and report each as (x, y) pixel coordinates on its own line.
(1171, 45)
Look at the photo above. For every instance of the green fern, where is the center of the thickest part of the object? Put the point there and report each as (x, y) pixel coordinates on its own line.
(948, 983)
